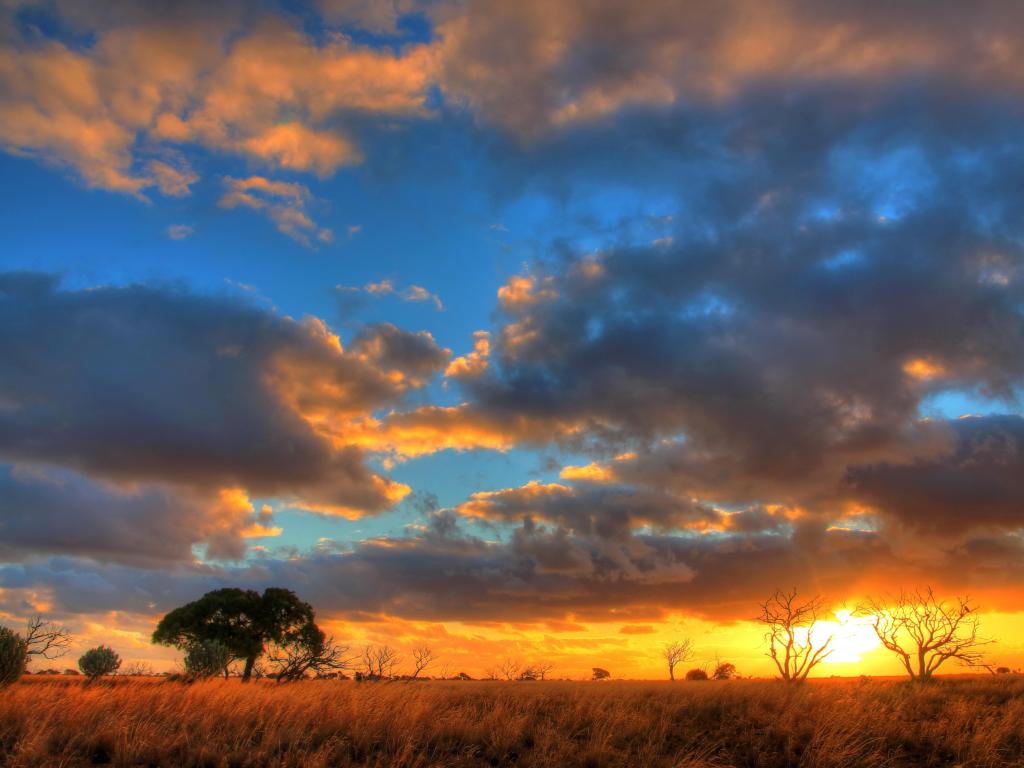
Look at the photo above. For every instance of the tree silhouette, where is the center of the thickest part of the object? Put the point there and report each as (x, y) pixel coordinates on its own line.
(790, 634)
(46, 638)
(925, 632)
(309, 651)
(675, 653)
(243, 620)
(380, 661)
(422, 658)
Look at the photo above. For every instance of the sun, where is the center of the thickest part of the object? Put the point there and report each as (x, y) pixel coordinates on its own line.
(852, 637)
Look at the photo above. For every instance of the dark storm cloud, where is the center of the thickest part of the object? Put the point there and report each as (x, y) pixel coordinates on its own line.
(157, 384)
(47, 510)
(841, 270)
(607, 512)
(538, 574)
(979, 482)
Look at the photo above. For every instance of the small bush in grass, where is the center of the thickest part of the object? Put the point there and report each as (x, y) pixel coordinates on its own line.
(697, 674)
(206, 658)
(724, 670)
(13, 652)
(99, 661)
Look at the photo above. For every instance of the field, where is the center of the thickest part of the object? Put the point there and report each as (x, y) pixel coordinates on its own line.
(150, 722)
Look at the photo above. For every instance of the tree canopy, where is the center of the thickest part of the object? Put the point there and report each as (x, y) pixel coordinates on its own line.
(242, 620)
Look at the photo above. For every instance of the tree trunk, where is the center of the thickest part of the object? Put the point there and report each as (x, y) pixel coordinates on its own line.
(671, 674)
(247, 672)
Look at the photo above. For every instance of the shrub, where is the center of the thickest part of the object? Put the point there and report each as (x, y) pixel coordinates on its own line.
(99, 661)
(697, 674)
(206, 658)
(601, 674)
(724, 671)
(13, 652)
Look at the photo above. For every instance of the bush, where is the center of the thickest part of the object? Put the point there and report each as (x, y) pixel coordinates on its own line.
(13, 652)
(697, 674)
(99, 661)
(206, 658)
(724, 671)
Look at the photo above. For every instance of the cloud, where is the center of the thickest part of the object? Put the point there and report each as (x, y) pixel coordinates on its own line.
(149, 81)
(473, 363)
(742, 363)
(48, 510)
(180, 231)
(534, 67)
(164, 386)
(284, 203)
(414, 293)
(538, 574)
(973, 485)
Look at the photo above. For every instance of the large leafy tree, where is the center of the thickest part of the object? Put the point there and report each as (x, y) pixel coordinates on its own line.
(242, 620)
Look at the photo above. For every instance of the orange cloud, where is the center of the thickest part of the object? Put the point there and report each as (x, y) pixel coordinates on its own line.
(283, 202)
(474, 363)
(271, 94)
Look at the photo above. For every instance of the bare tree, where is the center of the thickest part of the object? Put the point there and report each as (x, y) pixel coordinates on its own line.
(136, 669)
(541, 669)
(422, 658)
(925, 632)
(314, 653)
(492, 673)
(46, 638)
(509, 669)
(380, 661)
(675, 653)
(790, 634)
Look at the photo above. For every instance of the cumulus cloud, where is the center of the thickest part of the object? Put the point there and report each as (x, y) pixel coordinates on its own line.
(194, 75)
(48, 510)
(165, 386)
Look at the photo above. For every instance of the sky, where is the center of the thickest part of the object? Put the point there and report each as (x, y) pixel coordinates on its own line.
(522, 330)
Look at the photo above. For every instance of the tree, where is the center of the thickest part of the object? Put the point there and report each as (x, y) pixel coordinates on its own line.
(311, 651)
(509, 669)
(380, 661)
(46, 638)
(790, 634)
(697, 673)
(724, 670)
(422, 658)
(243, 620)
(675, 653)
(207, 658)
(539, 670)
(925, 632)
(13, 653)
(601, 674)
(99, 661)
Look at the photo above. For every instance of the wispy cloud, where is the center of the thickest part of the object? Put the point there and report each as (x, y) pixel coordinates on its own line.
(386, 287)
(284, 203)
(180, 231)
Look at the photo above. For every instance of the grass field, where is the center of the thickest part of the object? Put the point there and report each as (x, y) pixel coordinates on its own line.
(133, 722)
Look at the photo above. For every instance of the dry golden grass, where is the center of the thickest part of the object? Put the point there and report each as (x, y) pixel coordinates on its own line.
(128, 722)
